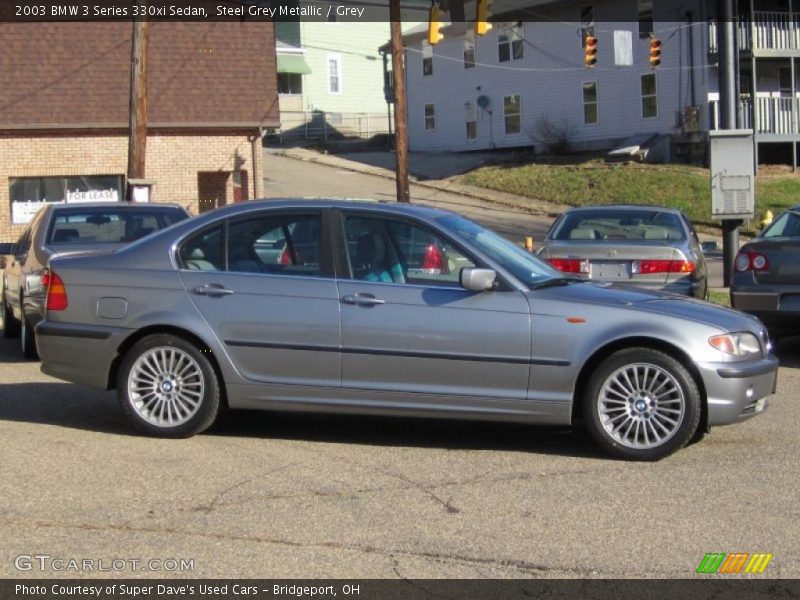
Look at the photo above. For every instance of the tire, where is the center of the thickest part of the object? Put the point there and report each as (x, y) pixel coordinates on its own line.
(27, 338)
(11, 327)
(641, 404)
(167, 388)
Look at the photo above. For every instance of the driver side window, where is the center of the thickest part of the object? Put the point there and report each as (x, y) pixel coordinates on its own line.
(397, 251)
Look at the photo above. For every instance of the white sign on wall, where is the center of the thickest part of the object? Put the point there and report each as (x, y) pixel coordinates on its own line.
(623, 48)
(109, 195)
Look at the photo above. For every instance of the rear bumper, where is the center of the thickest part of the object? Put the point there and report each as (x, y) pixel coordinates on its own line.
(772, 307)
(736, 392)
(695, 289)
(78, 353)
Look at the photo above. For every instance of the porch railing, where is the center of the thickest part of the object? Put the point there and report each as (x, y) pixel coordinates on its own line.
(778, 116)
(768, 30)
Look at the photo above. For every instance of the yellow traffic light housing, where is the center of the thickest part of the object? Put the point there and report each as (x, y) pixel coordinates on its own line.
(590, 52)
(655, 53)
(435, 24)
(482, 14)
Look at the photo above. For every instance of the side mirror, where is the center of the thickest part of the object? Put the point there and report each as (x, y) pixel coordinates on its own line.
(477, 280)
(708, 247)
(7, 248)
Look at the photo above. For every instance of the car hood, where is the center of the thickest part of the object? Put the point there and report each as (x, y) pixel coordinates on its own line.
(657, 303)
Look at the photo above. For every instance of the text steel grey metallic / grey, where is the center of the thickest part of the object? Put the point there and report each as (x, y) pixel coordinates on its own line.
(387, 309)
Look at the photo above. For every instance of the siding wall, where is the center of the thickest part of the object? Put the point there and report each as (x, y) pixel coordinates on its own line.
(552, 85)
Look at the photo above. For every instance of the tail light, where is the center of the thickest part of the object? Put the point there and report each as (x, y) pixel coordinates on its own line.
(56, 292)
(433, 263)
(751, 261)
(570, 265)
(650, 266)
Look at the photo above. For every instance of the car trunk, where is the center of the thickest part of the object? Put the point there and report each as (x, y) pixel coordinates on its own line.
(784, 261)
(616, 263)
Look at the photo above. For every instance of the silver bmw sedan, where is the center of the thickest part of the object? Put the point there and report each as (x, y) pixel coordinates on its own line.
(366, 307)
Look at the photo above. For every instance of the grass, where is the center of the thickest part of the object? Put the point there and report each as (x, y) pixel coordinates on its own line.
(588, 181)
(719, 297)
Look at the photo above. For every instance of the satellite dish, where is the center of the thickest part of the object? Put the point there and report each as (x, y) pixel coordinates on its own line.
(483, 102)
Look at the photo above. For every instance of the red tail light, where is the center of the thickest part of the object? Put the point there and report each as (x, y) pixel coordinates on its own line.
(56, 292)
(650, 266)
(570, 265)
(434, 261)
(751, 261)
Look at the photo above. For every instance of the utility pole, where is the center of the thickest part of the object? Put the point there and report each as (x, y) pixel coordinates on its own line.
(400, 115)
(137, 137)
(728, 112)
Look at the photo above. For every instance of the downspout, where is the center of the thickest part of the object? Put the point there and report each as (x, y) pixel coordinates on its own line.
(690, 29)
(258, 175)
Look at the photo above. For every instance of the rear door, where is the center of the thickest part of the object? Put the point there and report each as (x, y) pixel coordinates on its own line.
(264, 284)
(407, 325)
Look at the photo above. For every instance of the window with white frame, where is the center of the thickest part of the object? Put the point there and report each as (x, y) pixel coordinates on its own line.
(471, 119)
(427, 59)
(590, 102)
(645, 9)
(649, 96)
(334, 74)
(510, 42)
(512, 113)
(587, 23)
(469, 50)
(430, 117)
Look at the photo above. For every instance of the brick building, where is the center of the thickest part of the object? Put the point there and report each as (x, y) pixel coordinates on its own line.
(64, 103)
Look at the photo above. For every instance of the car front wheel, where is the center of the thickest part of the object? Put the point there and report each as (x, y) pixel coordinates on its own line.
(10, 324)
(641, 404)
(27, 338)
(167, 388)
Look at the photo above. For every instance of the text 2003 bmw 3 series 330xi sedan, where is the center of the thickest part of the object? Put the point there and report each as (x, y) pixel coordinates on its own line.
(376, 308)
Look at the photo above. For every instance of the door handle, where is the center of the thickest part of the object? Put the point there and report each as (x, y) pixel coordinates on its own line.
(211, 289)
(362, 299)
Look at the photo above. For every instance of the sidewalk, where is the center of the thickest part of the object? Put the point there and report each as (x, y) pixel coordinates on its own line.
(427, 170)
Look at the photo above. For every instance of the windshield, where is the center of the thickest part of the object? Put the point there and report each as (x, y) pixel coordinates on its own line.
(619, 224)
(108, 225)
(787, 225)
(514, 259)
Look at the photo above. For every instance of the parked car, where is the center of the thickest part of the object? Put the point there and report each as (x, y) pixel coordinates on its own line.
(188, 320)
(61, 229)
(766, 275)
(647, 246)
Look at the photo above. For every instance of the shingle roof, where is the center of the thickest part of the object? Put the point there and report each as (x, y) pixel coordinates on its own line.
(78, 73)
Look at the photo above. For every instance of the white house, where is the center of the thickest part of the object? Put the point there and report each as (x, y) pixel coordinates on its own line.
(496, 91)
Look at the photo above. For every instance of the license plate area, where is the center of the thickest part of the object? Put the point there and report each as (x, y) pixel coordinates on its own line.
(606, 269)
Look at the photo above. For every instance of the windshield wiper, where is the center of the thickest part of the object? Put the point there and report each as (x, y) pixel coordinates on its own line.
(555, 281)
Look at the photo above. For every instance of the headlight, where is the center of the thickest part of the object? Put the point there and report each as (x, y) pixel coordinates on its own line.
(742, 345)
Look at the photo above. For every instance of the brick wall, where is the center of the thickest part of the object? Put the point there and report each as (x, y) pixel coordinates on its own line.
(173, 162)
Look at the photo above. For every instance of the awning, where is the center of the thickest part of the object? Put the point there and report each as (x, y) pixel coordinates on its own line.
(293, 63)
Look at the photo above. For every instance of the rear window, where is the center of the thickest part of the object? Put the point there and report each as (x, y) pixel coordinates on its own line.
(638, 225)
(108, 225)
(787, 225)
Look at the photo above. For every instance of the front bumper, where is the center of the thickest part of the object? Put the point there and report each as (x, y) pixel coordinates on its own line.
(738, 391)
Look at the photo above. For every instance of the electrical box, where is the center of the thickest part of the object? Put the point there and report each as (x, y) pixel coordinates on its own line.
(732, 174)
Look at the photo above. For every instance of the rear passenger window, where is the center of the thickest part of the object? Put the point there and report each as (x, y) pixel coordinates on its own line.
(282, 245)
(203, 252)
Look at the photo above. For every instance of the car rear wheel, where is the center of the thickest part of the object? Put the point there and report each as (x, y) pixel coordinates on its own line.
(27, 338)
(641, 404)
(168, 388)
(10, 324)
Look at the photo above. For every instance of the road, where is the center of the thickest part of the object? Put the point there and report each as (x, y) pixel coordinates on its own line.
(283, 495)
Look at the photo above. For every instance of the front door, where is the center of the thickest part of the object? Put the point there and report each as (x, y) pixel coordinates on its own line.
(407, 325)
(265, 288)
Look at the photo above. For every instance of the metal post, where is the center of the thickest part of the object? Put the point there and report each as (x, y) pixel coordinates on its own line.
(400, 115)
(137, 136)
(728, 117)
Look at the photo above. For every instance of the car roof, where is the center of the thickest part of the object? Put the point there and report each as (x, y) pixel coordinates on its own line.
(124, 205)
(419, 210)
(638, 207)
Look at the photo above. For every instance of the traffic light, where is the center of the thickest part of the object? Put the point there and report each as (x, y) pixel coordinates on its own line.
(482, 14)
(435, 24)
(655, 53)
(590, 52)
